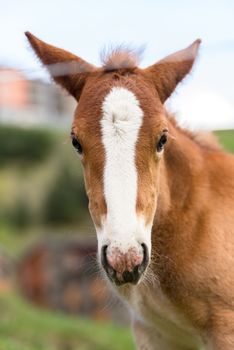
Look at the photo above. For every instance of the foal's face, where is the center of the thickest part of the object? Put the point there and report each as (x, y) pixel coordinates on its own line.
(120, 130)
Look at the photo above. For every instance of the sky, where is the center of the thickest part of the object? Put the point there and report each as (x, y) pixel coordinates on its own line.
(204, 100)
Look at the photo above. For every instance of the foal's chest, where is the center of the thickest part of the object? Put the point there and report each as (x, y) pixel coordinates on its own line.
(154, 309)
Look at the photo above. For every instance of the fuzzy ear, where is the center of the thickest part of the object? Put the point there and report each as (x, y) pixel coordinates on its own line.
(168, 72)
(66, 69)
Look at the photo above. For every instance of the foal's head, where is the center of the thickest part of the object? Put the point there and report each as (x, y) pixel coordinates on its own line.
(120, 130)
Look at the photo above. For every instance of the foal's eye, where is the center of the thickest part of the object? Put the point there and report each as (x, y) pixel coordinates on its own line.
(162, 141)
(76, 144)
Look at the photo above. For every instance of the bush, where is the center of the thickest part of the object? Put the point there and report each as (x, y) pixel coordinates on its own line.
(20, 215)
(66, 202)
(25, 146)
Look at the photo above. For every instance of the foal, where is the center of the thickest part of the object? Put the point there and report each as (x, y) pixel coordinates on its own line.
(161, 200)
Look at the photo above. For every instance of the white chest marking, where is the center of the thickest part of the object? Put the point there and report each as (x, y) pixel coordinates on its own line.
(120, 125)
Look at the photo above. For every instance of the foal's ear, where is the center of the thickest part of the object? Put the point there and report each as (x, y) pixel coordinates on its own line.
(168, 72)
(66, 69)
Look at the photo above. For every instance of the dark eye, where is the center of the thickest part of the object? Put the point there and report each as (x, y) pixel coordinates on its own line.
(76, 144)
(162, 141)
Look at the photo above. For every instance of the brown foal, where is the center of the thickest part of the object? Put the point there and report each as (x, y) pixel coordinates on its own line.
(161, 198)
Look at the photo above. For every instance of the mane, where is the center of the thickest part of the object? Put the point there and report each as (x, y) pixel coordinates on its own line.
(204, 139)
(120, 57)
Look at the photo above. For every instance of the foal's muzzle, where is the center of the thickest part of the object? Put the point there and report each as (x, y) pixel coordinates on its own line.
(126, 267)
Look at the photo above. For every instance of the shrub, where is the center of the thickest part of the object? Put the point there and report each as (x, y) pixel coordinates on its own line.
(24, 146)
(20, 215)
(66, 202)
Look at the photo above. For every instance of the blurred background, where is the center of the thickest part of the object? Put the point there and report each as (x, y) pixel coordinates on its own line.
(52, 295)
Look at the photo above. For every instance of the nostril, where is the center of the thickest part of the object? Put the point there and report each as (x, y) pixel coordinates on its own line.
(104, 257)
(104, 261)
(145, 261)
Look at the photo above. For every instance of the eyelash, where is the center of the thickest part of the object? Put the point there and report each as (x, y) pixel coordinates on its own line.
(161, 143)
(76, 144)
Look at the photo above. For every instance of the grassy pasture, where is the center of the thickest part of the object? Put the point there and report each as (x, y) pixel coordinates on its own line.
(24, 327)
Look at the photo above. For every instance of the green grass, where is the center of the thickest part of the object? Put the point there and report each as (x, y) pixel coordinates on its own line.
(226, 138)
(24, 327)
(13, 241)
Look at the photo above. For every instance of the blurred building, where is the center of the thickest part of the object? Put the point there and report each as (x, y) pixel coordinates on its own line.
(32, 102)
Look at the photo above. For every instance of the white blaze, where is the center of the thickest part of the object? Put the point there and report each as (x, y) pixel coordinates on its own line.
(120, 124)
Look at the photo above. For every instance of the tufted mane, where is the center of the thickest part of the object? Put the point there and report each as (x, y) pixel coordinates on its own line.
(120, 57)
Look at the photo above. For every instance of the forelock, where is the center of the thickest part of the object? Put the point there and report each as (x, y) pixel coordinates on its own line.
(120, 57)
